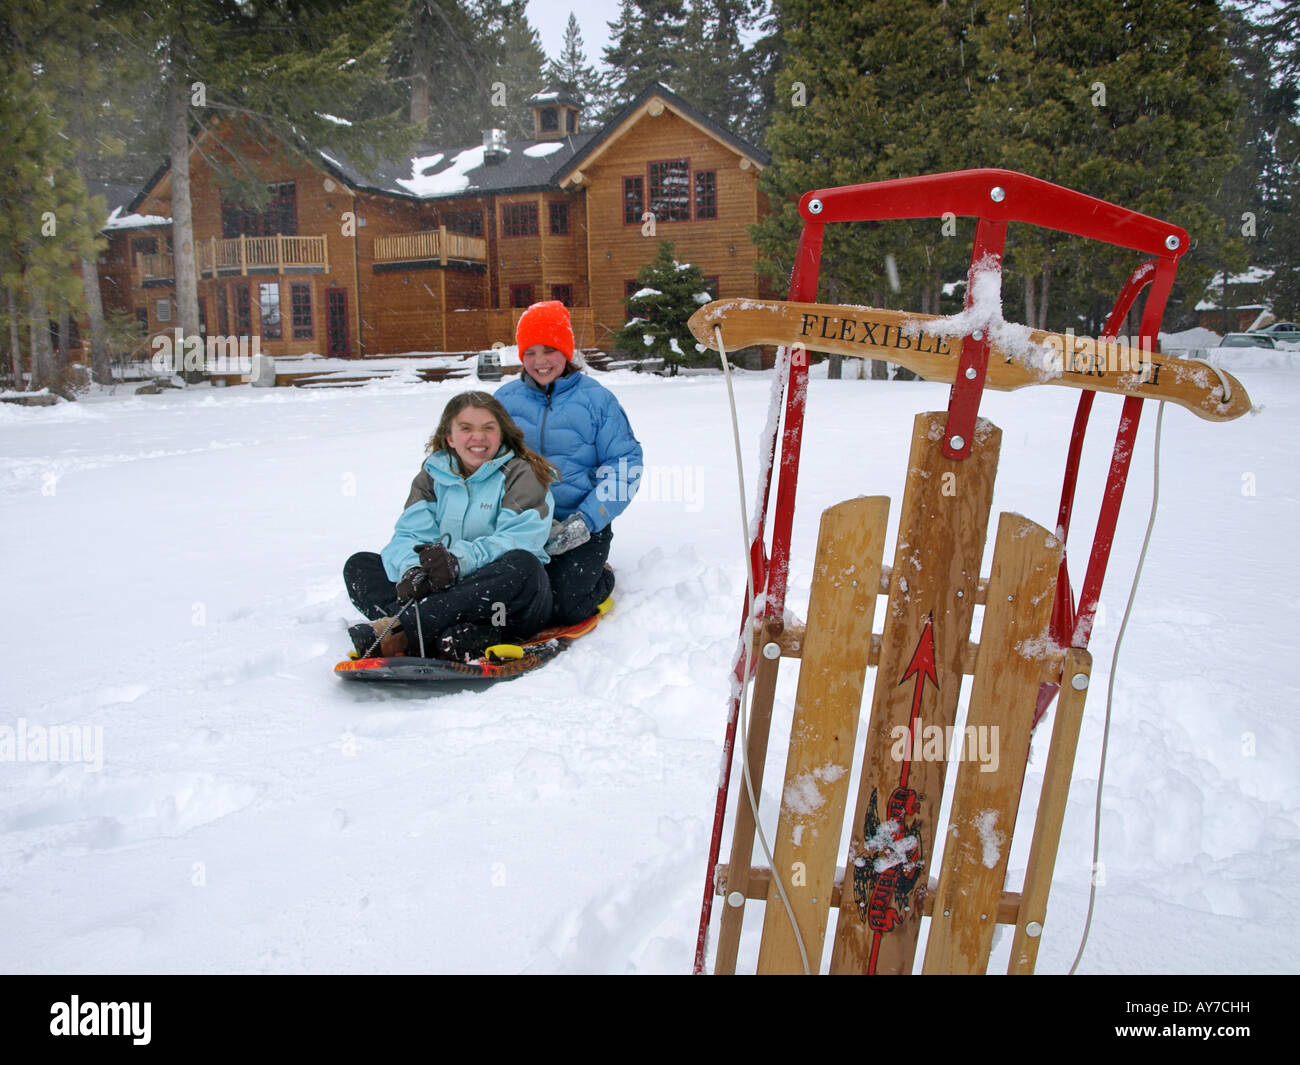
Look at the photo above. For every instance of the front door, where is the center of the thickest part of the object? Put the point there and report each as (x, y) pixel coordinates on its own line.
(336, 319)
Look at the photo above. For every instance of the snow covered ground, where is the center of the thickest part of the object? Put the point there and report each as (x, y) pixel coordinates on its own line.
(171, 567)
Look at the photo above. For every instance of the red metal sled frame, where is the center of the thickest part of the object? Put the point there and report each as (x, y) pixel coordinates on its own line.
(994, 198)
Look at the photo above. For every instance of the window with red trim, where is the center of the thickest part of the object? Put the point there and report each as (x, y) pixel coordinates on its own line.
(706, 194)
(268, 301)
(670, 190)
(519, 219)
(563, 293)
(559, 219)
(300, 302)
(521, 295)
(633, 200)
(243, 312)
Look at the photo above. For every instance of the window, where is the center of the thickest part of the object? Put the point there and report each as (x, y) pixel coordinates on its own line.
(633, 200)
(268, 302)
(144, 246)
(466, 223)
(243, 312)
(670, 191)
(706, 194)
(163, 309)
(74, 333)
(223, 311)
(550, 120)
(142, 319)
(571, 121)
(300, 302)
(559, 219)
(563, 293)
(521, 295)
(280, 216)
(519, 219)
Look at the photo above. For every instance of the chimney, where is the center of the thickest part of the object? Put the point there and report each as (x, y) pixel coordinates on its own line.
(494, 146)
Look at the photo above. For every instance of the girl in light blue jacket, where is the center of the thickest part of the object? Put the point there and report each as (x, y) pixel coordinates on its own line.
(468, 546)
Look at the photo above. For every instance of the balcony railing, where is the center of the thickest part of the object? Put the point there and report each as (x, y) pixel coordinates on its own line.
(431, 244)
(242, 255)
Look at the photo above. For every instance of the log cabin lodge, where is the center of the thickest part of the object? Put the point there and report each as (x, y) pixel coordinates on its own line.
(443, 251)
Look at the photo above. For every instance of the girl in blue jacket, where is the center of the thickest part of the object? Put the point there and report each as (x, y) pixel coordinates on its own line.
(581, 428)
(468, 548)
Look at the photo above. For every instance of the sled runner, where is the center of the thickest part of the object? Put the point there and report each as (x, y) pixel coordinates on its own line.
(502, 661)
(1033, 636)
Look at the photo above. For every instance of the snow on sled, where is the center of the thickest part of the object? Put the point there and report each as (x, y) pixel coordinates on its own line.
(500, 663)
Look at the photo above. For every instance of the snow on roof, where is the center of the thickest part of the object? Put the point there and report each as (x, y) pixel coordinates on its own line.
(538, 151)
(118, 220)
(1253, 276)
(452, 178)
(333, 118)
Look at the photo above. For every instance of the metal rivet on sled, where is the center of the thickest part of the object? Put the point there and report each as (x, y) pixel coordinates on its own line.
(814, 206)
(772, 649)
(1033, 929)
(1079, 681)
(961, 594)
(971, 373)
(736, 899)
(997, 194)
(1172, 242)
(957, 442)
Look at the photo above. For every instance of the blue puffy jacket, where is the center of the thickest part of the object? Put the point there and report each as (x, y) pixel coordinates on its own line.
(500, 507)
(582, 430)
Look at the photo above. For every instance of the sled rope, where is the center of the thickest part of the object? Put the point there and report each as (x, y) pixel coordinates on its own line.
(749, 652)
(1110, 684)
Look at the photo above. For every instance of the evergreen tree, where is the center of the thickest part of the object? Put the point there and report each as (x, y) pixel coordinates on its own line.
(646, 46)
(670, 293)
(47, 221)
(518, 71)
(572, 72)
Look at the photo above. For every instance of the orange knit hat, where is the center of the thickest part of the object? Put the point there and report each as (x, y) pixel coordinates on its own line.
(545, 323)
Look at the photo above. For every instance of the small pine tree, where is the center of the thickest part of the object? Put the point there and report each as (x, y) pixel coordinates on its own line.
(670, 293)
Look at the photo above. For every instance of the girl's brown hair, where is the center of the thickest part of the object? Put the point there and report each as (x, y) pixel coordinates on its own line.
(512, 436)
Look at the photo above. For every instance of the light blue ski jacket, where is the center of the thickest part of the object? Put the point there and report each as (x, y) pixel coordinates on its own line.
(500, 507)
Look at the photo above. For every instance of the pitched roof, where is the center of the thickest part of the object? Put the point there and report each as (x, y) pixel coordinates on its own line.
(615, 125)
(438, 173)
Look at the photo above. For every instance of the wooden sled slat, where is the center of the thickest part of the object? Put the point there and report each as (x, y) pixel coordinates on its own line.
(994, 746)
(868, 332)
(941, 533)
(1051, 813)
(841, 609)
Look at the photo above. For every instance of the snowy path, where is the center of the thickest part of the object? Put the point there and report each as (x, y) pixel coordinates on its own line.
(172, 571)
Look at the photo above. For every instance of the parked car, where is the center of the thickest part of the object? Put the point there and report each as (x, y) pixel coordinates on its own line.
(1287, 331)
(1247, 340)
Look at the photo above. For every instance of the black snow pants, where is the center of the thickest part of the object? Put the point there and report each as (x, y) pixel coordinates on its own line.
(512, 594)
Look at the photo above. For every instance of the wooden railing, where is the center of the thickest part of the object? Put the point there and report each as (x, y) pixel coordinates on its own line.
(153, 267)
(432, 244)
(242, 254)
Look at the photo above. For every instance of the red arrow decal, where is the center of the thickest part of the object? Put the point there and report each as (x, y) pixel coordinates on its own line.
(921, 666)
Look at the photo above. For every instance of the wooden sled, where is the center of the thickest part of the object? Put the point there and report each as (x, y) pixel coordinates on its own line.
(1033, 636)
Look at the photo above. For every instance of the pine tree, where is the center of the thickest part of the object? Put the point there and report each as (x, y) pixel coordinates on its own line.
(518, 71)
(572, 72)
(47, 222)
(646, 45)
(670, 293)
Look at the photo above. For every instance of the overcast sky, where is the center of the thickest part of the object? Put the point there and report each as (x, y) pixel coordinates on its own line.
(551, 16)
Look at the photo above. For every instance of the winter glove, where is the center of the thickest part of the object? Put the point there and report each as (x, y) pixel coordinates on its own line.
(414, 584)
(439, 565)
(567, 534)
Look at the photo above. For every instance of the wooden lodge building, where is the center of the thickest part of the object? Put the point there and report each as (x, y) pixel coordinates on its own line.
(442, 251)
